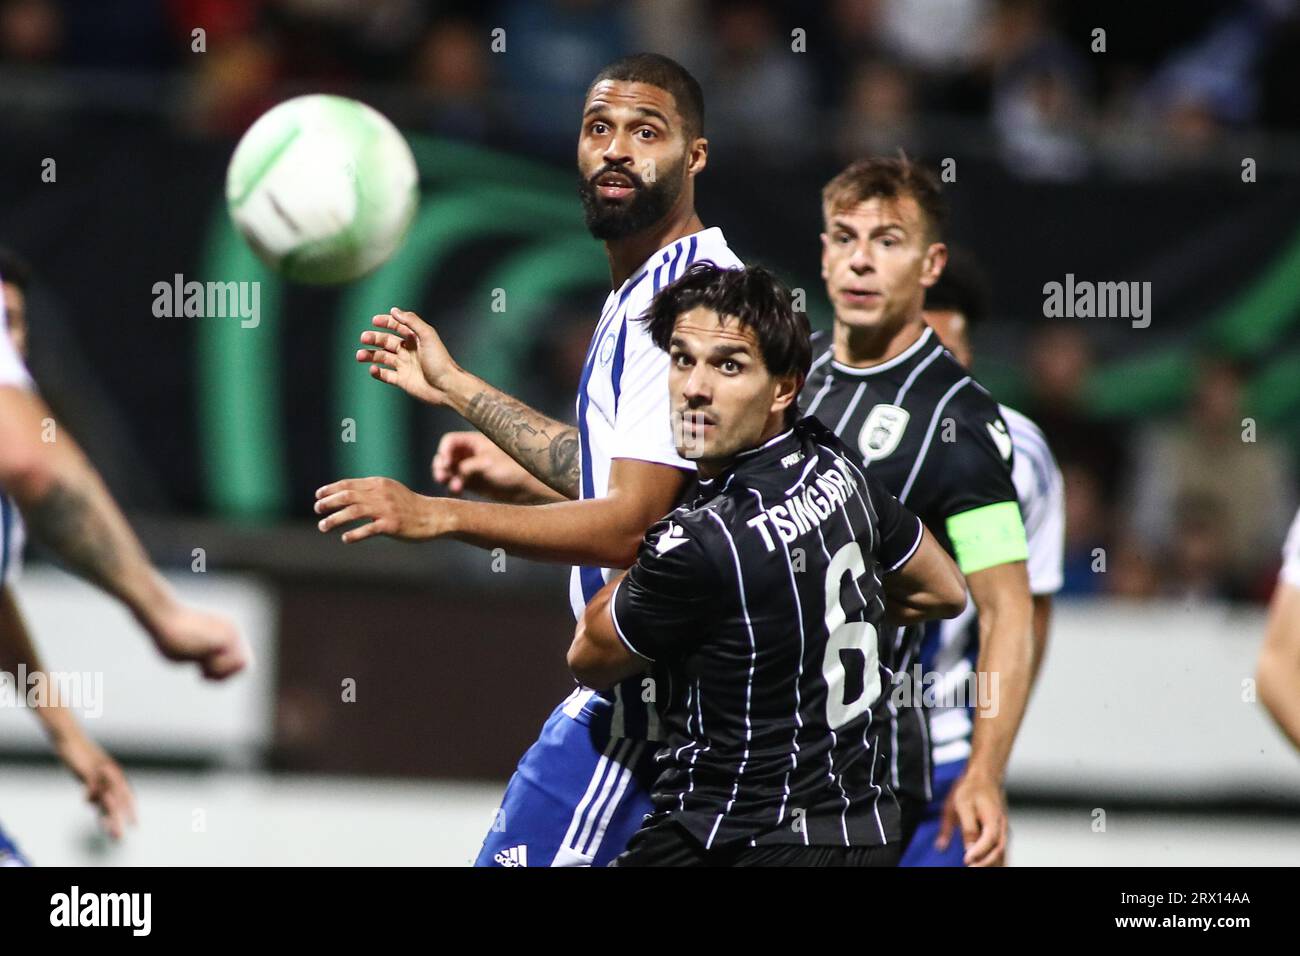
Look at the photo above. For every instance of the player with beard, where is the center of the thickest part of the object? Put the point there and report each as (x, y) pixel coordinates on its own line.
(580, 494)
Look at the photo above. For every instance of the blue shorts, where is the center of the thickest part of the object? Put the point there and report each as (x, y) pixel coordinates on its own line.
(577, 795)
(9, 852)
(921, 850)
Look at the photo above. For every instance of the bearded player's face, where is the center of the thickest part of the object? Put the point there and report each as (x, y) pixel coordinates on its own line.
(632, 158)
(878, 260)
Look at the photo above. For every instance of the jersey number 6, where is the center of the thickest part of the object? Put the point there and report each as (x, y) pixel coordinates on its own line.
(849, 666)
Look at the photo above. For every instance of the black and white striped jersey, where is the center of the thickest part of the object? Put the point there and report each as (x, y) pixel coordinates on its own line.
(922, 426)
(759, 604)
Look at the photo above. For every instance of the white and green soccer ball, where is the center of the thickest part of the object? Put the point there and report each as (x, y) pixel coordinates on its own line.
(323, 188)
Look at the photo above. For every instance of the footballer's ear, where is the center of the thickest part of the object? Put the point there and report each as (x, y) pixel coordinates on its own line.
(697, 156)
(787, 391)
(936, 257)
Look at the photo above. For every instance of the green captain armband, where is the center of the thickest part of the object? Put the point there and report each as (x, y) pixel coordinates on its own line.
(988, 536)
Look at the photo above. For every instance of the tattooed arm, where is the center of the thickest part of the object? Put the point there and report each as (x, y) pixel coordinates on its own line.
(69, 510)
(411, 356)
(545, 447)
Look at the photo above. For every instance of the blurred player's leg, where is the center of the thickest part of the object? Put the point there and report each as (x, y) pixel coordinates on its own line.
(921, 850)
(577, 795)
(9, 852)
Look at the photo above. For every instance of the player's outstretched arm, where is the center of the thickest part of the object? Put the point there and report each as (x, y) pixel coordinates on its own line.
(409, 354)
(597, 532)
(1279, 662)
(927, 586)
(69, 510)
(105, 783)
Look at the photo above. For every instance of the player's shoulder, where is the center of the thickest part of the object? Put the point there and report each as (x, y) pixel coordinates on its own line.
(711, 246)
(960, 392)
(818, 437)
(1027, 437)
(689, 538)
(1018, 423)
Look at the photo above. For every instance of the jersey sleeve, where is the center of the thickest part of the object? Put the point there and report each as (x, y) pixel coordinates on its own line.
(899, 531)
(974, 491)
(1042, 504)
(668, 598)
(1291, 555)
(12, 370)
(642, 429)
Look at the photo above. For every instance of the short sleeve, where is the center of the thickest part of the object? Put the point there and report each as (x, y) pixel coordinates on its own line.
(1291, 555)
(898, 530)
(642, 427)
(12, 370)
(1042, 504)
(668, 598)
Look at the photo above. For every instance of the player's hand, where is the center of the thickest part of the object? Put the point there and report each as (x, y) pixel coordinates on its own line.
(105, 783)
(471, 462)
(410, 355)
(211, 641)
(977, 806)
(388, 507)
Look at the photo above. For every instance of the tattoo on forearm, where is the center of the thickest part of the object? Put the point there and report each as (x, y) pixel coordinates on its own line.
(65, 521)
(547, 448)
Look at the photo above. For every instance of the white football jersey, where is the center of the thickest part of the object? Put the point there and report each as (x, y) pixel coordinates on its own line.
(623, 404)
(12, 537)
(1291, 555)
(1041, 490)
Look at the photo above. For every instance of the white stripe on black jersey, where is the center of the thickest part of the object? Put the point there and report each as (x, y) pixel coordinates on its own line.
(773, 738)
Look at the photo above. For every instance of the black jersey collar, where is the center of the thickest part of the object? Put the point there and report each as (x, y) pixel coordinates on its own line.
(766, 458)
(756, 459)
(909, 353)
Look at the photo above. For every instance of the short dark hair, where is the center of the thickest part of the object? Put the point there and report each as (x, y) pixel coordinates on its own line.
(962, 287)
(756, 299)
(655, 69)
(888, 177)
(14, 269)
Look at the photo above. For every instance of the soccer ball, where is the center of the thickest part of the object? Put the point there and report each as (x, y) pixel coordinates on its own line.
(323, 188)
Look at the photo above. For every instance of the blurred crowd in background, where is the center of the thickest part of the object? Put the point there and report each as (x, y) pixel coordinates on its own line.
(1193, 507)
(1157, 88)
(1181, 508)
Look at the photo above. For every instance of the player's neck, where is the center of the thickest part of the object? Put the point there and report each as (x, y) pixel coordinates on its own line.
(625, 255)
(708, 468)
(859, 347)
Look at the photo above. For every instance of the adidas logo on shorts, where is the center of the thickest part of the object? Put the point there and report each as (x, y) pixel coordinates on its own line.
(514, 856)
